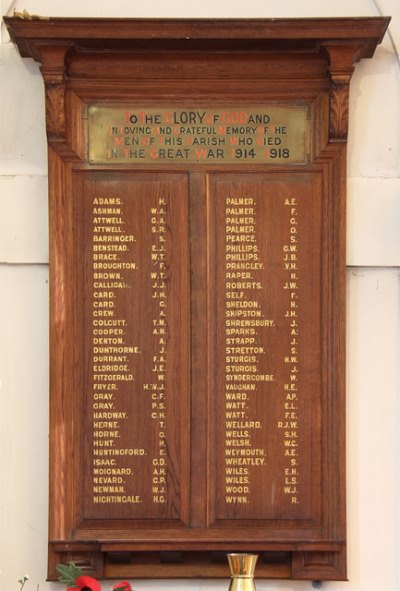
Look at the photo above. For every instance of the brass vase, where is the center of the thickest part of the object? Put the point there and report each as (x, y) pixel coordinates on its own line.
(242, 571)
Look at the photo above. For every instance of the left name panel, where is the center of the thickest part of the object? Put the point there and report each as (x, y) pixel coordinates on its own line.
(132, 321)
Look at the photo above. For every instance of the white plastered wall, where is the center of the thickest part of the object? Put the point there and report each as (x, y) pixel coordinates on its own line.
(373, 311)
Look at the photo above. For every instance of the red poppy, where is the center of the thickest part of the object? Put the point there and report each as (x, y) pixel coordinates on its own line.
(122, 586)
(85, 584)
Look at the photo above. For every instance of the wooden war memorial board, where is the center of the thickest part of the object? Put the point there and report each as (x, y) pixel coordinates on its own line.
(197, 211)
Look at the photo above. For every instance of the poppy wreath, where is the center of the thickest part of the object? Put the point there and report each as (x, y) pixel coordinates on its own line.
(72, 575)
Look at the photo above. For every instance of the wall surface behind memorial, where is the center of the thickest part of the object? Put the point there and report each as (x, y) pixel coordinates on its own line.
(373, 311)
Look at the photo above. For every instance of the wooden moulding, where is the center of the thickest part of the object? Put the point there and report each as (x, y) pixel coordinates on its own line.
(289, 507)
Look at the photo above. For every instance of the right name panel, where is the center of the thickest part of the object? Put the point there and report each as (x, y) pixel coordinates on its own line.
(266, 299)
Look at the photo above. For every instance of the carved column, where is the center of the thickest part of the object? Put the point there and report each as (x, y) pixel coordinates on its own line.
(341, 60)
(53, 71)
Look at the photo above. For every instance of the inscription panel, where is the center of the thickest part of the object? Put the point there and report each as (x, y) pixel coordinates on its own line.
(255, 134)
(267, 313)
(132, 233)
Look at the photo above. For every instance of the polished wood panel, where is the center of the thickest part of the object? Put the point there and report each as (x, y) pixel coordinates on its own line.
(133, 322)
(197, 311)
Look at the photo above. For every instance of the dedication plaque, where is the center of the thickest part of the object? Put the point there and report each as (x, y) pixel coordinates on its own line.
(197, 240)
(256, 134)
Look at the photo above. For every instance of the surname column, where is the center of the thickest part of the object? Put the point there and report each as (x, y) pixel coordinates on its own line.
(245, 357)
(113, 272)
